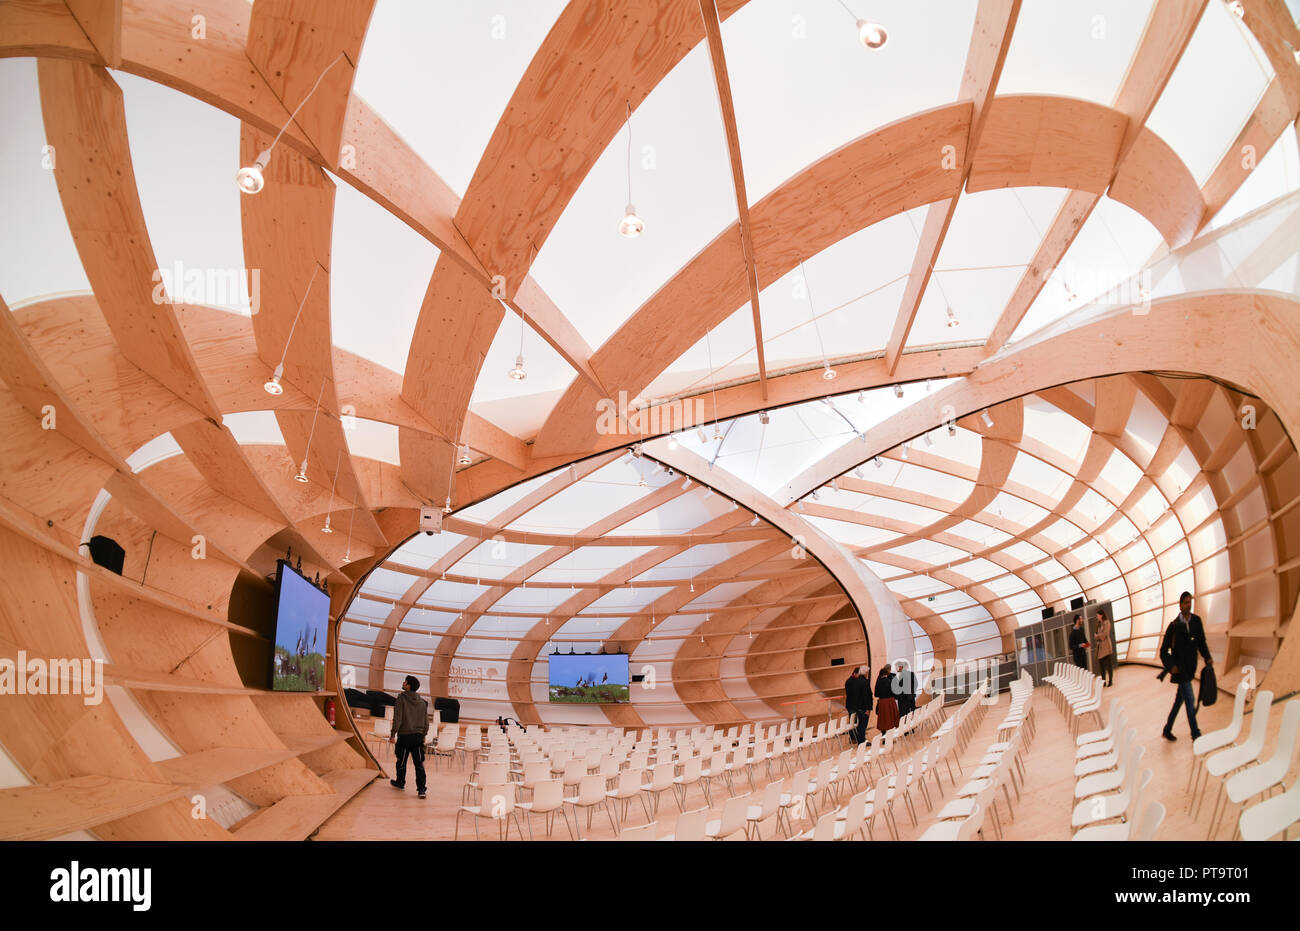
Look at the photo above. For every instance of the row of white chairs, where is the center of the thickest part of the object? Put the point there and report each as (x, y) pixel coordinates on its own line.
(1110, 783)
(962, 818)
(1243, 775)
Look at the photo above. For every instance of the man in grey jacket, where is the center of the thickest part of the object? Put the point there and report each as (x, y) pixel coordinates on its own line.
(410, 725)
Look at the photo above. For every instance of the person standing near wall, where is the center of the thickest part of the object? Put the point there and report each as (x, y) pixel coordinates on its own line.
(857, 700)
(1105, 648)
(1079, 643)
(410, 726)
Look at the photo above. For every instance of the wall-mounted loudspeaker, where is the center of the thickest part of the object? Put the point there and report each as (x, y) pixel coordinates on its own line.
(106, 552)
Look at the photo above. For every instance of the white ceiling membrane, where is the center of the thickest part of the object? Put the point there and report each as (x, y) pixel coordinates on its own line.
(38, 256)
(471, 58)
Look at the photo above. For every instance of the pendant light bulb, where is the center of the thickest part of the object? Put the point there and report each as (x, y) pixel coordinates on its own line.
(518, 373)
(249, 178)
(464, 455)
(446, 507)
(302, 472)
(872, 35)
(631, 226)
(273, 387)
(952, 319)
(327, 528)
(828, 373)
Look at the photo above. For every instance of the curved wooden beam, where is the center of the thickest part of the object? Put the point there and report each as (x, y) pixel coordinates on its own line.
(883, 173)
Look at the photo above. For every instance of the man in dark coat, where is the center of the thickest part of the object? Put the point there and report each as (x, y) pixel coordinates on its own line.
(1184, 639)
(857, 700)
(1079, 642)
(906, 680)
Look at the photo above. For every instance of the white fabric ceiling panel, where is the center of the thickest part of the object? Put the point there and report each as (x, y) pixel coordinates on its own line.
(1073, 50)
(682, 188)
(470, 59)
(804, 85)
(1222, 71)
(495, 559)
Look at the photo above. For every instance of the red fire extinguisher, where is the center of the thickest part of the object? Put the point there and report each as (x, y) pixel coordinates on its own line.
(329, 710)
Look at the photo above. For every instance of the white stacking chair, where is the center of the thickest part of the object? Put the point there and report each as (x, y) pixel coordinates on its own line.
(1122, 804)
(1107, 732)
(548, 798)
(824, 829)
(794, 802)
(692, 774)
(1098, 783)
(661, 780)
(956, 830)
(1216, 740)
(1108, 744)
(491, 774)
(1269, 774)
(591, 793)
(1088, 706)
(1243, 754)
(766, 808)
(733, 819)
(627, 787)
(497, 803)
(690, 825)
(1271, 817)
(853, 817)
(1147, 825)
(1108, 771)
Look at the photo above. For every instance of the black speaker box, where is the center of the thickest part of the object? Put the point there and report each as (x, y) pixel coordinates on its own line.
(449, 708)
(106, 552)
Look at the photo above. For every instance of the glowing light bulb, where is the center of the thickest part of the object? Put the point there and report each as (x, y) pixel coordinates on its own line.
(631, 226)
(249, 178)
(273, 386)
(872, 35)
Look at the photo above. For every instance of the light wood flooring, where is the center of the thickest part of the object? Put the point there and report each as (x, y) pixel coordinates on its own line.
(380, 812)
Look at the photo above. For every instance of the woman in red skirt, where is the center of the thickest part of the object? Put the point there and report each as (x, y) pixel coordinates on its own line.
(887, 700)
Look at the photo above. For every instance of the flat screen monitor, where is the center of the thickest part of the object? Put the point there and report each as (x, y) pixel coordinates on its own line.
(589, 678)
(302, 615)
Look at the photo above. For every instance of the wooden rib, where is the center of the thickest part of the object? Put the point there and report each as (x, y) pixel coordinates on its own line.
(35, 387)
(842, 197)
(216, 454)
(295, 43)
(101, 20)
(86, 123)
(456, 325)
(1274, 28)
(486, 437)
(995, 20)
(1168, 30)
(718, 58)
(1270, 119)
(561, 118)
(43, 812)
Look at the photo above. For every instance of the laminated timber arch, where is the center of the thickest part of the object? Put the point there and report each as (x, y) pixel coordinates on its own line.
(120, 370)
(1195, 333)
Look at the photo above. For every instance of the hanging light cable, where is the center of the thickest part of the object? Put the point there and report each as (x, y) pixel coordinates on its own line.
(249, 178)
(713, 382)
(273, 386)
(352, 516)
(334, 484)
(631, 226)
(951, 315)
(451, 475)
(828, 373)
(302, 469)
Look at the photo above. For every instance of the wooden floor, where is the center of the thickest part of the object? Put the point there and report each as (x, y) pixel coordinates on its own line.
(380, 812)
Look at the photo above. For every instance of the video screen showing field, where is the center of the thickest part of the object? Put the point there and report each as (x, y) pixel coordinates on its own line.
(301, 629)
(589, 679)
